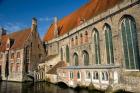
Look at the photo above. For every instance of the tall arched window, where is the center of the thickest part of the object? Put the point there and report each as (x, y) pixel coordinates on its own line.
(109, 44)
(130, 43)
(67, 54)
(97, 47)
(76, 59)
(61, 54)
(86, 58)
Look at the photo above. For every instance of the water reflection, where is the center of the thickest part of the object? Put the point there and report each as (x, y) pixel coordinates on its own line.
(41, 87)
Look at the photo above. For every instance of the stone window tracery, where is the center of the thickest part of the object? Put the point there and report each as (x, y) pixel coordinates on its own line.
(130, 43)
(109, 44)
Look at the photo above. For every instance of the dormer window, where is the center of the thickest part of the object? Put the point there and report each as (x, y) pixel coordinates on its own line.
(81, 20)
(9, 44)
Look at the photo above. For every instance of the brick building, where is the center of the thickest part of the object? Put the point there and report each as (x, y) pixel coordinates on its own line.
(20, 53)
(99, 44)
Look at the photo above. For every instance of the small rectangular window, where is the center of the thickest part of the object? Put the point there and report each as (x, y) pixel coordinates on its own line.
(18, 54)
(12, 55)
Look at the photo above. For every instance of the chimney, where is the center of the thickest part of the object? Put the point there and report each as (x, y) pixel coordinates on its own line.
(34, 24)
(55, 27)
(2, 32)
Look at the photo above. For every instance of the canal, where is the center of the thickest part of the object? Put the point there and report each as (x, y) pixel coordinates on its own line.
(42, 87)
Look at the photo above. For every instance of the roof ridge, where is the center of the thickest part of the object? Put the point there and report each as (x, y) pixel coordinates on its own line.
(22, 30)
(87, 11)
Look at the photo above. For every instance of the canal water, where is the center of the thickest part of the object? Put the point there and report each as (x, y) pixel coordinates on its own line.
(42, 87)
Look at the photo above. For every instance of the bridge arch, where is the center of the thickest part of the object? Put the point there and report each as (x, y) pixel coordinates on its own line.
(62, 84)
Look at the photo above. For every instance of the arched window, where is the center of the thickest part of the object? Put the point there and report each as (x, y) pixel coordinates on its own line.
(72, 42)
(86, 36)
(95, 75)
(88, 75)
(78, 75)
(76, 59)
(67, 54)
(71, 75)
(85, 58)
(76, 40)
(61, 54)
(17, 67)
(109, 44)
(81, 38)
(97, 47)
(105, 76)
(130, 43)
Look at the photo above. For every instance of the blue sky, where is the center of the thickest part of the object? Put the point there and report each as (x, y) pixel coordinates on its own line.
(17, 14)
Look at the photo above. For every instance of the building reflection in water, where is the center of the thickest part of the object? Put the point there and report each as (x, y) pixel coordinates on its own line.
(41, 87)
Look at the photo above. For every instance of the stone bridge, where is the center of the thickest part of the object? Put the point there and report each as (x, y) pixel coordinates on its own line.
(68, 83)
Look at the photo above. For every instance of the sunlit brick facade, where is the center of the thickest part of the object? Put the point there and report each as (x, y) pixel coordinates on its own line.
(103, 50)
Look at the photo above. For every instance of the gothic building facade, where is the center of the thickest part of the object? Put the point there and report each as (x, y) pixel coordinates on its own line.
(20, 54)
(99, 43)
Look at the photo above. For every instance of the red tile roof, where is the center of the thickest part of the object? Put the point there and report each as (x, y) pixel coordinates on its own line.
(3, 43)
(89, 10)
(18, 37)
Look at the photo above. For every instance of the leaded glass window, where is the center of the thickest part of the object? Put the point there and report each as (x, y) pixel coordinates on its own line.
(130, 44)
(109, 44)
(97, 47)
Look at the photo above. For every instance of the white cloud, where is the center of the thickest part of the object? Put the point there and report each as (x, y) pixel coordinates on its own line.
(45, 19)
(12, 27)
